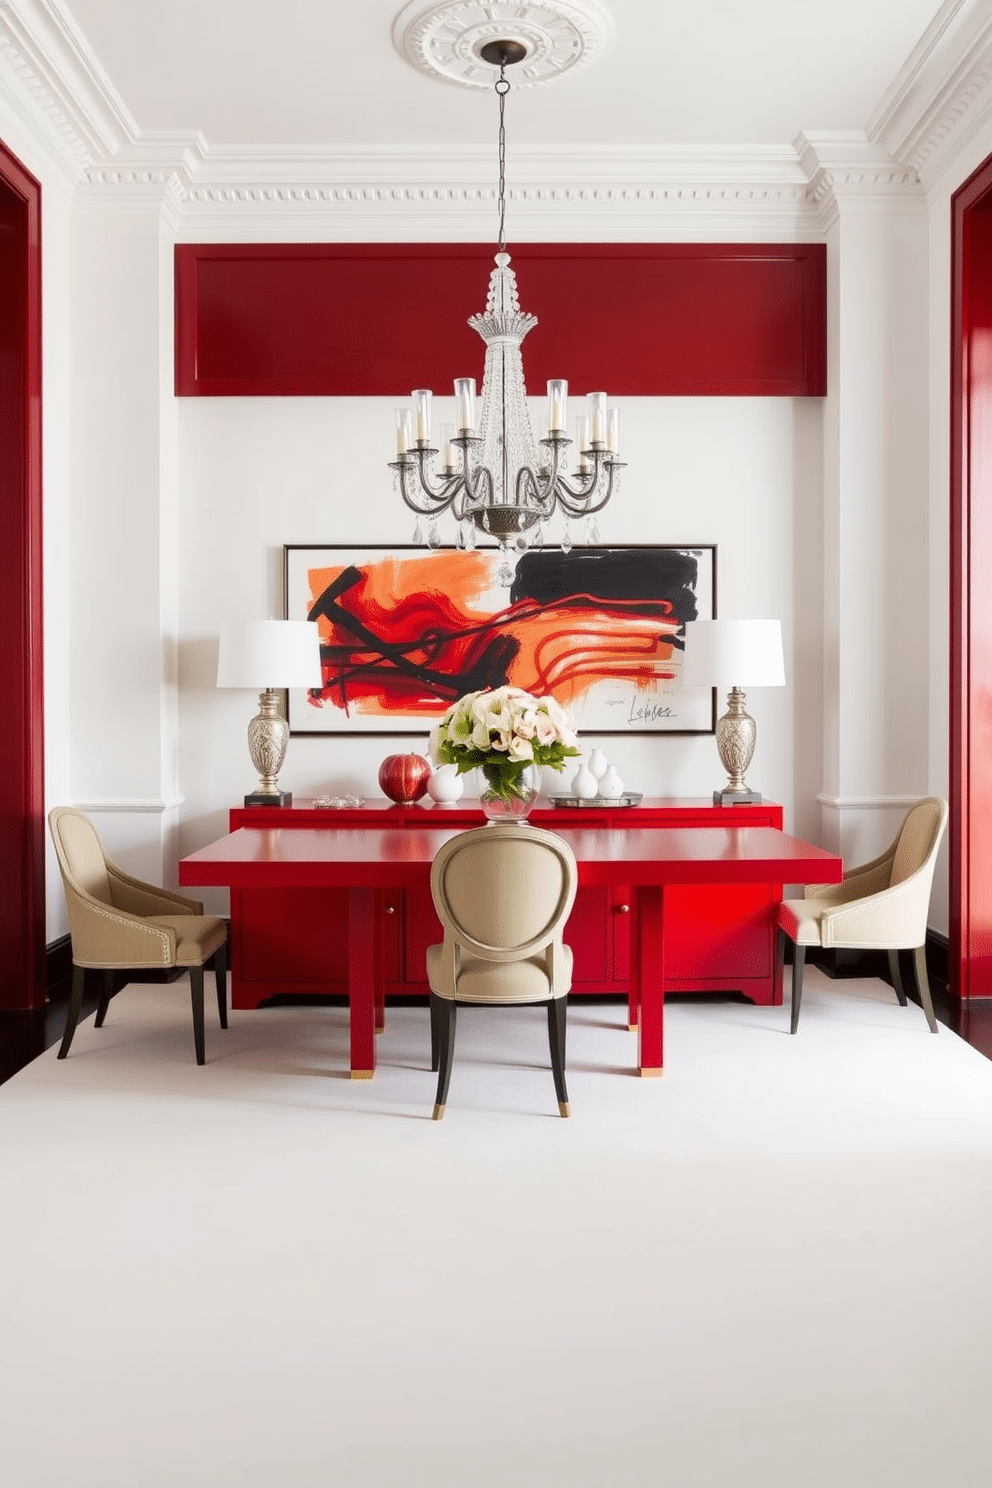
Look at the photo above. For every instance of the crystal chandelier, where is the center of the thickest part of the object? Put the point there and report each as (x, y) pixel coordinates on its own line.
(494, 476)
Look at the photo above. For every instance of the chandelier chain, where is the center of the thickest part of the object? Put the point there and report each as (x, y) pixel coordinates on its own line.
(502, 88)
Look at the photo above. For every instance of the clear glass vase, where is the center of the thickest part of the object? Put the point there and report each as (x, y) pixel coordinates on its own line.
(512, 800)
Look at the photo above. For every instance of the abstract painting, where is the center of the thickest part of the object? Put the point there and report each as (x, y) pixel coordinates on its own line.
(405, 631)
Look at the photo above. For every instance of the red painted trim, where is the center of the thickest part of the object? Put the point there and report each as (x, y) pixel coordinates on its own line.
(22, 790)
(970, 788)
(377, 319)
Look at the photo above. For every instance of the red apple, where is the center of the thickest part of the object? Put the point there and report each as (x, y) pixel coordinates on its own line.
(404, 777)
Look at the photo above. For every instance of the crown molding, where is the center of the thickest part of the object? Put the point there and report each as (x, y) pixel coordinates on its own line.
(939, 90)
(847, 172)
(48, 59)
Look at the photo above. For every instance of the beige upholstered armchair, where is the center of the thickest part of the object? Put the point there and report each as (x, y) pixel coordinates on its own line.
(882, 905)
(503, 894)
(119, 923)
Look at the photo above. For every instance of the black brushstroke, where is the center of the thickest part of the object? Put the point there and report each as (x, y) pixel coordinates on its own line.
(654, 576)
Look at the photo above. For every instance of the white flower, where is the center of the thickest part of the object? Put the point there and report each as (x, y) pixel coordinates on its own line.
(520, 749)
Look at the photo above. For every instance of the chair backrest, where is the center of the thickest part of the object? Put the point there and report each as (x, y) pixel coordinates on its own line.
(80, 853)
(918, 840)
(504, 891)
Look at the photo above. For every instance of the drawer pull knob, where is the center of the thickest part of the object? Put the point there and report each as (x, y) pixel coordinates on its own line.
(623, 909)
(390, 909)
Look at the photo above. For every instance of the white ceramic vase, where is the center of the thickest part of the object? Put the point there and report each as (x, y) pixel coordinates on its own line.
(598, 763)
(585, 786)
(610, 785)
(445, 785)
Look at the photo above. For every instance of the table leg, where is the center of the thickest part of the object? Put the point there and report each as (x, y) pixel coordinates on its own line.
(648, 972)
(362, 981)
(379, 961)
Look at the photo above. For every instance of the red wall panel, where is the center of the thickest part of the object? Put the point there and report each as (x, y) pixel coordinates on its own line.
(379, 319)
(22, 825)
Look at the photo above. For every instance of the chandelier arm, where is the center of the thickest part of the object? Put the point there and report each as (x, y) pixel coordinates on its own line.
(439, 497)
(583, 503)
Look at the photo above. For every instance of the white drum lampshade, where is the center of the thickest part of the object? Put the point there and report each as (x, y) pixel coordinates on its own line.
(734, 654)
(268, 655)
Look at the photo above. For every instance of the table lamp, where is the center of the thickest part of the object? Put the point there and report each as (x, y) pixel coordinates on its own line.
(734, 654)
(268, 654)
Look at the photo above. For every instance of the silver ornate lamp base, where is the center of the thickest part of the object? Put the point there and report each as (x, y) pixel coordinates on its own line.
(736, 732)
(268, 735)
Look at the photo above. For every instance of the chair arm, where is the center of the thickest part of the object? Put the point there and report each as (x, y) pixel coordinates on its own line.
(108, 937)
(559, 965)
(134, 896)
(894, 919)
(869, 878)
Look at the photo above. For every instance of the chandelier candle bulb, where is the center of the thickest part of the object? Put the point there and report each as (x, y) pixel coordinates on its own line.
(597, 419)
(582, 440)
(447, 449)
(557, 400)
(422, 414)
(465, 403)
(402, 430)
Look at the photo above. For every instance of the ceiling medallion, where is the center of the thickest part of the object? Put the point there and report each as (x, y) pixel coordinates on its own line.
(445, 38)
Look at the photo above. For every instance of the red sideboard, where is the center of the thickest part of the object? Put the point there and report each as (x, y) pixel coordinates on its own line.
(719, 937)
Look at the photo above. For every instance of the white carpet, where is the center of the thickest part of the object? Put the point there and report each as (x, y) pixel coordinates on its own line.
(768, 1268)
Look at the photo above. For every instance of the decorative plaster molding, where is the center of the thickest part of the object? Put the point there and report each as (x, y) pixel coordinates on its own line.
(442, 37)
(939, 89)
(142, 807)
(867, 803)
(48, 58)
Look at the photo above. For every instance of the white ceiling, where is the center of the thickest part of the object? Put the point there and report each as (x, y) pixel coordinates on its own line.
(251, 73)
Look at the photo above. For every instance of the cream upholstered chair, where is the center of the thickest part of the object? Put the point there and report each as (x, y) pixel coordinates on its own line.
(882, 905)
(503, 893)
(119, 923)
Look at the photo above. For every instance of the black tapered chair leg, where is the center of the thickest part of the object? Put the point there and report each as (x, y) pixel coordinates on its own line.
(896, 975)
(798, 966)
(435, 1031)
(923, 985)
(106, 993)
(556, 1038)
(446, 1050)
(196, 996)
(220, 973)
(75, 1007)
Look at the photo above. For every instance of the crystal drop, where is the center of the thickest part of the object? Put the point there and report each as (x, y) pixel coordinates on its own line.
(538, 536)
(593, 532)
(566, 541)
(470, 535)
(418, 536)
(433, 537)
(522, 543)
(505, 575)
(485, 522)
(460, 540)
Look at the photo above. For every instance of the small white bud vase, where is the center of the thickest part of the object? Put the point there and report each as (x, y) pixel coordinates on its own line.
(585, 786)
(445, 785)
(610, 785)
(598, 763)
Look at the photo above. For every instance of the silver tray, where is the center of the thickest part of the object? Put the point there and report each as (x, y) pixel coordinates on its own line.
(629, 798)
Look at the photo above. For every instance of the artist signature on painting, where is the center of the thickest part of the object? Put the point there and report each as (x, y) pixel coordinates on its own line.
(641, 712)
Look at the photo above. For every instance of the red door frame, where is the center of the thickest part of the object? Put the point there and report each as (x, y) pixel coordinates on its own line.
(970, 786)
(22, 760)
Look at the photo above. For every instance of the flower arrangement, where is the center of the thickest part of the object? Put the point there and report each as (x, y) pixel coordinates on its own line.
(501, 731)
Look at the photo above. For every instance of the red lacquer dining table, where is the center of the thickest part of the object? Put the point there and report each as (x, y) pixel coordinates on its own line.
(368, 863)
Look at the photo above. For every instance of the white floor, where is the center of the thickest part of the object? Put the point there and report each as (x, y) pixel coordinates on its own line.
(769, 1268)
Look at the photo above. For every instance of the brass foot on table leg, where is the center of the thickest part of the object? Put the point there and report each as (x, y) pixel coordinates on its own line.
(438, 1113)
(651, 1074)
(564, 1109)
(362, 1074)
(632, 1027)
